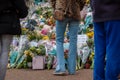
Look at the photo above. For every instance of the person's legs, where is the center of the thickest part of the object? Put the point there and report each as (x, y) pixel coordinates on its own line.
(60, 31)
(5, 41)
(73, 31)
(100, 51)
(112, 50)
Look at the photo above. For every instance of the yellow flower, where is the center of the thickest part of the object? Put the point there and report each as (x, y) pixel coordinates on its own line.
(91, 56)
(92, 53)
(90, 34)
(45, 37)
(26, 52)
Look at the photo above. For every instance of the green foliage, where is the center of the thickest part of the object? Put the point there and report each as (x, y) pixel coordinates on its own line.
(39, 11)
(40, 50)
(32, 35)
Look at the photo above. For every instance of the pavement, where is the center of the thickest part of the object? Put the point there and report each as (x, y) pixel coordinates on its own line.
(29, 74)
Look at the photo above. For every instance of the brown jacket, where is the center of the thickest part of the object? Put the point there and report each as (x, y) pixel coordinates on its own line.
(74, 8)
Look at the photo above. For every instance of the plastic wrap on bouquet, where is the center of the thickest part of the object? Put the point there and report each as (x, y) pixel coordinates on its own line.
(38, 62)
(50, 54)
(82, 48)
(82, 51)
(86, 53)
(88, 19)
(13, 56)
(23, 41)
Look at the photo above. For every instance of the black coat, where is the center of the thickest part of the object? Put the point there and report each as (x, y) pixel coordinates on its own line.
(10, 13)
(104, 10)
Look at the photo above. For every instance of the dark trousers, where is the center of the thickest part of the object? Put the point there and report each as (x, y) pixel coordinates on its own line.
(107, 50)
(5, 41)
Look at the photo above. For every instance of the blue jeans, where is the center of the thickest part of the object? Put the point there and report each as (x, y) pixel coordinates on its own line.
(107, 50)
(73, 27)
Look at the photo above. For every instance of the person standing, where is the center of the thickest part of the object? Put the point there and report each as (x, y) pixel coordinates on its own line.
(106, 19)
(71, 21)
(10, 13)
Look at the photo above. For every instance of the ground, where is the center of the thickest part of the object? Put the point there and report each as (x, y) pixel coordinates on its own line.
(29, 74)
